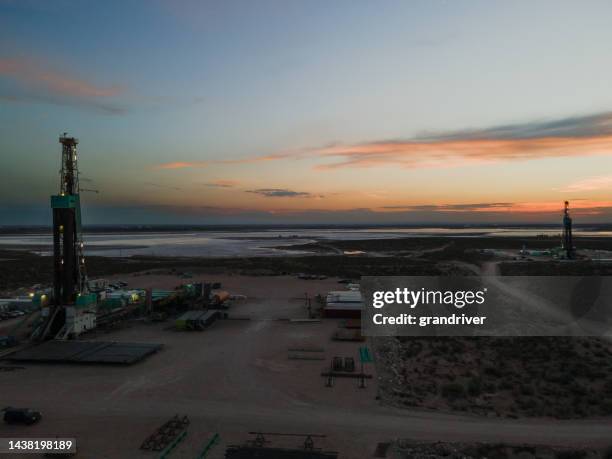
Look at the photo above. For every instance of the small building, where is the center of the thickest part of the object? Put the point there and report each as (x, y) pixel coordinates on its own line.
(343, 303)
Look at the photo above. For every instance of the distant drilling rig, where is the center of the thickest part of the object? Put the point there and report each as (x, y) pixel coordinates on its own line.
(568, 242)
(72, 309)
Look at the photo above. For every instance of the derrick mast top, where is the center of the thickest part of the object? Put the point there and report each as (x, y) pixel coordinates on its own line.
(69, 182)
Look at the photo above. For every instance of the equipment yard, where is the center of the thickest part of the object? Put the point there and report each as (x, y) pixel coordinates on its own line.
(232, 378)
(237, 377)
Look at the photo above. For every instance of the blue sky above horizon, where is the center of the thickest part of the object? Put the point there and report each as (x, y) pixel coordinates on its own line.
(309, 111)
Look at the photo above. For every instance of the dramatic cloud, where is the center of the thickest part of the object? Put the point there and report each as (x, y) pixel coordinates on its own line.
(414, 154)
(575, 136)
(566, 137)
(281, 193)
(577, 126)
(601, 182)
(578, 207)
(33, 82)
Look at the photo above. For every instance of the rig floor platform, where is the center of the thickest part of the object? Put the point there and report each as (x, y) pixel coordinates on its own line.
(56, 351)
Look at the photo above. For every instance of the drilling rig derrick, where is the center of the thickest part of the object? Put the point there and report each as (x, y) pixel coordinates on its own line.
(568, 242)
(70, 311)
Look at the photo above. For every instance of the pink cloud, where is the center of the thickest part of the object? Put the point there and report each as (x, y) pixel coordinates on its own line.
(449, 153)
(578, 207)
(200, 164)
(180, 165)
(58, 83)
(35, 81)
(576, 136)
(415, 155)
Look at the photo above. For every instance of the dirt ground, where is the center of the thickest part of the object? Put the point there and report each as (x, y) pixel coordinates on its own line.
(234, 366)
(236, 377)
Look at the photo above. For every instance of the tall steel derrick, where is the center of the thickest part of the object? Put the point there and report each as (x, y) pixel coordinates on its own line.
(568, 242)
(69, 276)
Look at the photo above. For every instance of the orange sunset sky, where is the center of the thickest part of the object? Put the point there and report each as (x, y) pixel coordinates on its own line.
(309, 112)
